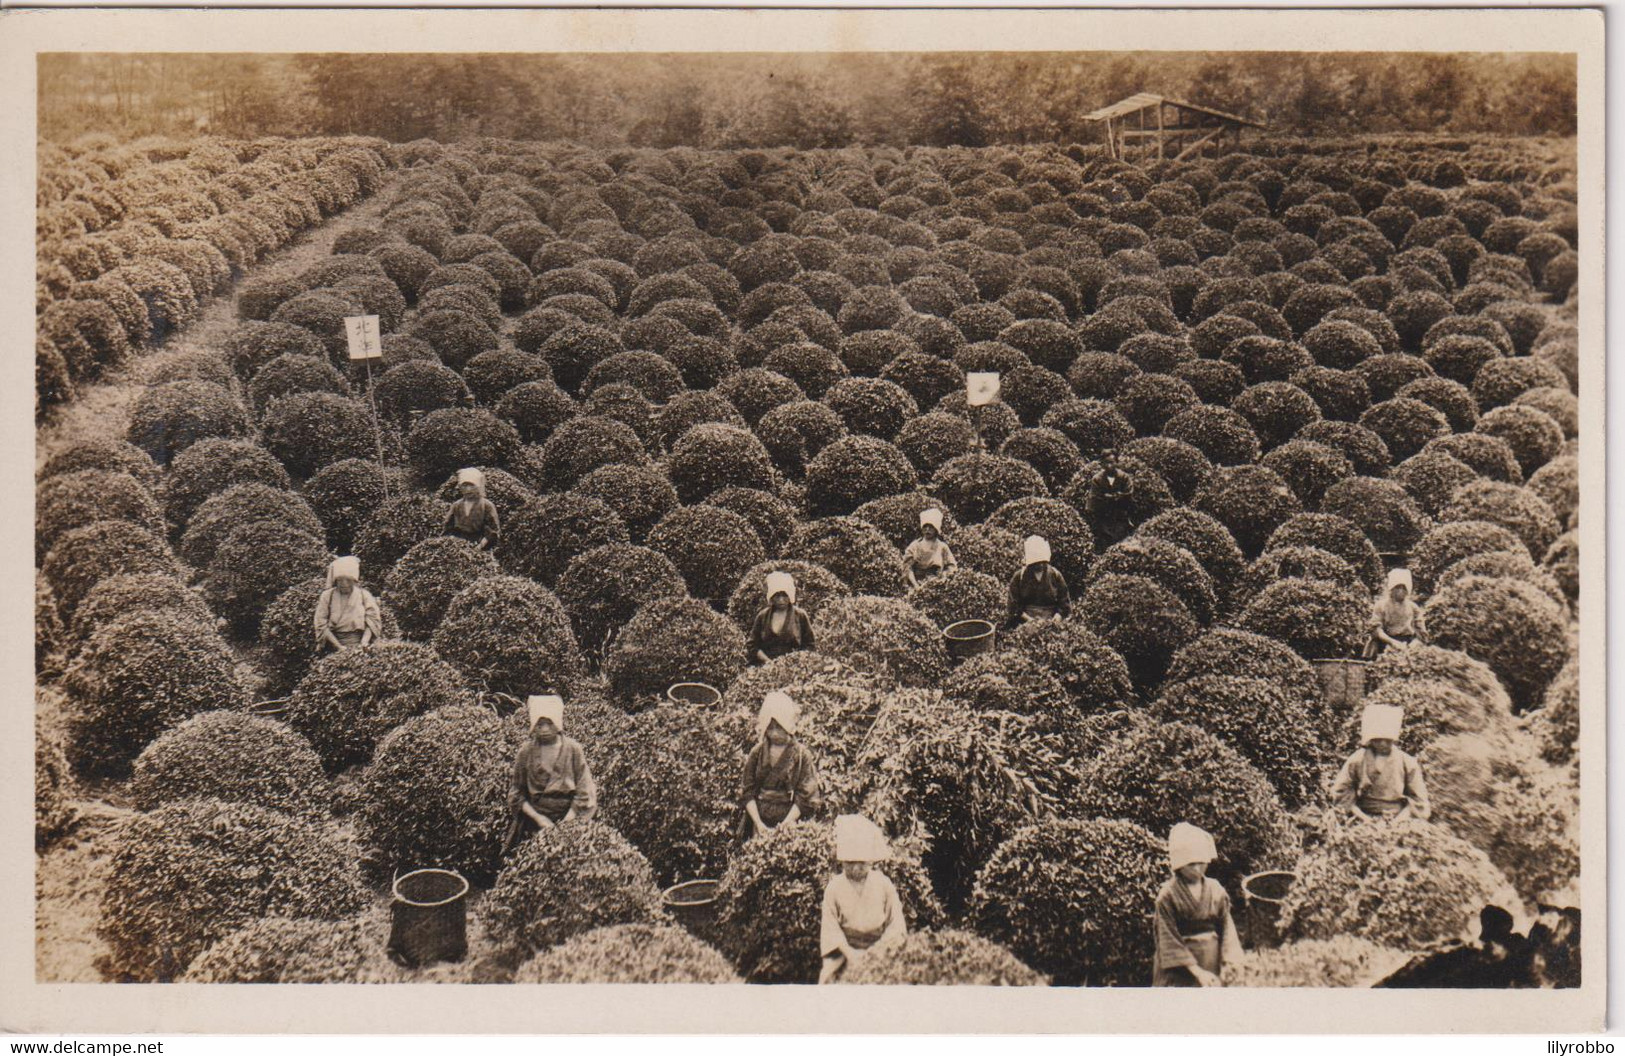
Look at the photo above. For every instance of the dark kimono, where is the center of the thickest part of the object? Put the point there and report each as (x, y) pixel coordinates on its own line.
(477, 523)
(1040, 595)
(552, 787)
(776, 787)
(1194, 928)
(797, 634)
(1110, 509)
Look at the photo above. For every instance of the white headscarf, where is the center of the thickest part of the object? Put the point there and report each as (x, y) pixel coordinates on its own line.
(1188, 845)
(779, 708)
(781, 582)
(546, 706)
(472, 476)
(857, 839)
(1034, 550)
(344, 567)
(933, 517)
(1398, 577)
(1381, 722)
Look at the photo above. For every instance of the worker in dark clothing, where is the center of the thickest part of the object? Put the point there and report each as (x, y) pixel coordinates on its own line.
(1038, 591)
(1109, 504)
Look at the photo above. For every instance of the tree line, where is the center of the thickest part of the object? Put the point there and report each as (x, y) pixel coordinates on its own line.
(728, 101)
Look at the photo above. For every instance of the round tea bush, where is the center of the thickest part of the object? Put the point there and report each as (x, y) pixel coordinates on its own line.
(932, 440)
(580, 445)
(1362, 447)
(117, 596)
(1093, 675)
(1094, 425)
(770, 898)
(1410, 885)
(456, 336)
(350, 699)
(310, 430)
(1230, 653)
(756, 391)
(710, 546)
(541, 537)
(490, 375)
(854, 551)
(208, 468)
(1071, 898)
(1165, 564)
(1159, 774)
(395, 527)
(510, 636)
(1431, 478)
(603, 588)
(1382, 509)
(1223, 435)
(1519, 510)
(797, 432)
(1411, 674)
(1318, 619)
(567, 881)
(444, 441)
(974, 486)
(535, 409)
(75, 500)
(714, 456)
(1308, 468)
(428, 576)
(1276, 410)
(671, 640)
(629, 953)
(1563, 562)
(344, 496)
(281, 950)
(1405, 425)
(1448, 543)
(1056, 458)
(1509, 563)
(114, 455)
(943, 958)
(1205, 539)
(435, 794)
(1449, 398)
(1100, 375)
(167, 419)
(1535, 439)
(190, 873)
(884, 636)
(1250, 501)
(871, 406)
(1270, 727)
(1557, 402)
(254, 565)
(959, 594)
(292, 375)
(84, 557)
(232, 757)
(689, 409)
(1182, 467)
(1144, 621)
(1512, 626)
(1341, 395)
(138, 676)
(238, 507)
(288, 640)
(1148, 401)
(1006, 681)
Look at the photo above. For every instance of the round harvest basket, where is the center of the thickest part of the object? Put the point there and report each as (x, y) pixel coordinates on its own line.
(429, 917)
(694, 905)
(1342, 684)
(1264, 893)
(694, 693)
(968, 638)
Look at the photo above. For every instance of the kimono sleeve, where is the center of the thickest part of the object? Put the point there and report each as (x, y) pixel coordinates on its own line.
(896, 924)
(1016, 602)
(1416, 789)
(750, 781)
(753, 641)
(805, 623)
(949, 562)
(372, 615)
(493, 523)
(831, 935)
(517, 792)
(1063, 595)
(323, 614)
(585, 804)
(451, 519)
(1171, 949)
(1345, 788)
(809, 787)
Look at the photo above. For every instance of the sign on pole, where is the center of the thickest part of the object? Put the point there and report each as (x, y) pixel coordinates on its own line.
(981, 389)
(362, 332)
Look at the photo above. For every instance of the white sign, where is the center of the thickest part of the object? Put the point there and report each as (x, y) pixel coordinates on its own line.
(362, 331)
(981, 388)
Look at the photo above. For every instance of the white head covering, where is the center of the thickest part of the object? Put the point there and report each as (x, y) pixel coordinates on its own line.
(1034, 550)
(342, 567)
(781, 582)
(472, 476)
(933, 517)
(1188, 845)
(857, 839)
(1398, 577)
(546, 706)
(1380, 722)
(777, 707)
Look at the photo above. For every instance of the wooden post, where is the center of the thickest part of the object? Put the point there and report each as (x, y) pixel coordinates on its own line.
(1159, 131)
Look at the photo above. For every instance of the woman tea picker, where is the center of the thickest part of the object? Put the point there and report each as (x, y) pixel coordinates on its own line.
(473, 516)
(929, 554)
(1109, 504)
(1038, 591)
(1379, 780)
(1196, 936)
(551, 781)
(1396, 620)
(862, 912)
(347, 614)
(781, 780)
(781, 627)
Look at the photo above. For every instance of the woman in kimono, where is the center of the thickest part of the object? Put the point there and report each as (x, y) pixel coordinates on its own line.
(780, 783)
(929, 554)
(781, 627)
(1396, 620)
(473, 516)
(862, 913)
(1196, 936)
(1109, 504)
(1038, 591)
(1379, 780)
(347, 615)
(551, 781)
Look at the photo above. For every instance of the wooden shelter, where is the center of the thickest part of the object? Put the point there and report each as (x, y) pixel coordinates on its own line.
(1146, 126)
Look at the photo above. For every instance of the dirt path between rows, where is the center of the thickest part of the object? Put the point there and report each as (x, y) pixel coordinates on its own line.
(70, 877)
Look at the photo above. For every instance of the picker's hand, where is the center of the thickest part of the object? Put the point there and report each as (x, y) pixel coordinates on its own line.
(1204, 977)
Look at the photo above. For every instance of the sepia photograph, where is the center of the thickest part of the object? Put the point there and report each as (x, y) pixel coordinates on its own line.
(1084, 519)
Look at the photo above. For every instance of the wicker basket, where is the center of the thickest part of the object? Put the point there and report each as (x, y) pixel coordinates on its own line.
(968, 638)
(694, 694)
(1264, 893)
(694, 905)
(429, 917)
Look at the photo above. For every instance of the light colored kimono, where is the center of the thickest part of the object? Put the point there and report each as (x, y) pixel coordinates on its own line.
(348, 617)
(927, 557)
(864, 918)
(1382, 784)
(1194, 929)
